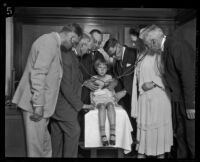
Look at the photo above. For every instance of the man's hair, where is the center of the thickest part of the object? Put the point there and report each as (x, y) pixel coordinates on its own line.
(73, 28)
(134, 31)
(95, 31)
(151, 32)
(109, 43)
(85, 37)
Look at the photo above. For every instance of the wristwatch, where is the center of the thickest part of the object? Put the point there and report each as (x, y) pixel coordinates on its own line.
(154, 84)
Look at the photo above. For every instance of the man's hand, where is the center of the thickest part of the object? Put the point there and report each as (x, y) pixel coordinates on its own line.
(37, 114)
(190, 113)
(120, 95)
(91, 85)
(147, 86)
(88, 107)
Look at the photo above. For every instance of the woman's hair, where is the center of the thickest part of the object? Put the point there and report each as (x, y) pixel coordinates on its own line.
(86, 38)
(159, 64)
(99, 62)
(151, 32)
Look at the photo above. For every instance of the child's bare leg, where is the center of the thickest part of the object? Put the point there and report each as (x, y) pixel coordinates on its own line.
(102, 121)
(112, 121)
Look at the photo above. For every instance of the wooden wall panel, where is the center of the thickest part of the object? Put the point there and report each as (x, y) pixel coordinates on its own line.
(33, 22)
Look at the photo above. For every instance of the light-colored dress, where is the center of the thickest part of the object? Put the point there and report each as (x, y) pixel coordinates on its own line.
(152, 110)
(102, 95)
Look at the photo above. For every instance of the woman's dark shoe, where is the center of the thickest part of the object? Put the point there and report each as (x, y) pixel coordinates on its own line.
(112, 139)
(104, 140)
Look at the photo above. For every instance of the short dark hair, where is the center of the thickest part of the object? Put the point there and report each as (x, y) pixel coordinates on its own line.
(134, 31)
(109, 43)
(95, 31)
(73, 28)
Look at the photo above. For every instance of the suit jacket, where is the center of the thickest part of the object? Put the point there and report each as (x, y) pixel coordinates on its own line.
(41, 79)
(87, 68)
(130, 55)
(179, 60)
(69, 100)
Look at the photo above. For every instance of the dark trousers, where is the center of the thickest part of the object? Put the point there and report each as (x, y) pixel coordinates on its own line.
(184, 131)
(126, 103)
(65, 138)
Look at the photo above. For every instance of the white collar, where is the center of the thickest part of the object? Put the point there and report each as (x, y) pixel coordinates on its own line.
(123, 49)
(59, 39)
(75, 51)
(162, 43)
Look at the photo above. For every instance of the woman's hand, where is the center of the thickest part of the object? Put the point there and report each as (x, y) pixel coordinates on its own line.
(148, 85)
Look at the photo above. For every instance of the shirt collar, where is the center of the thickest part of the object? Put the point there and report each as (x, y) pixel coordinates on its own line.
(75, 51)
(59, 39)
(123, 49)
(162, 43)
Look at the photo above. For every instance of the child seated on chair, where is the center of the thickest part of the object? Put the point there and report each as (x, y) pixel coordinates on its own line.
(103, 99)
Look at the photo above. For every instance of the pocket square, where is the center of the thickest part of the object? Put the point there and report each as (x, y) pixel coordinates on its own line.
(127, 65)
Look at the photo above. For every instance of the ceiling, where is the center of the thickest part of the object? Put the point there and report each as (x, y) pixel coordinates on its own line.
(152, 13)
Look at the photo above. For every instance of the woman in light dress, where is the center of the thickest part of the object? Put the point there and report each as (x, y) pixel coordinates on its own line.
(151, 107)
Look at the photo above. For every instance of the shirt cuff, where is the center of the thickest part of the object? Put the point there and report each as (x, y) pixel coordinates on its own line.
(37, 105)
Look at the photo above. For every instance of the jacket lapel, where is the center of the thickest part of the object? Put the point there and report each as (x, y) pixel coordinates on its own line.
(58, 45)
(125, 58)
(59, 51)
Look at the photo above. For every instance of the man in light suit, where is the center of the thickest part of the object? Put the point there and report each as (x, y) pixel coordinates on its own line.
(39, 86)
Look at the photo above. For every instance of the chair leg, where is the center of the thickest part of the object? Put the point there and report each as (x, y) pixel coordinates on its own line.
(93, 153)
(120, 153)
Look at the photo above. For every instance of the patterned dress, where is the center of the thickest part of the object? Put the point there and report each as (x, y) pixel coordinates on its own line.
(102, 95)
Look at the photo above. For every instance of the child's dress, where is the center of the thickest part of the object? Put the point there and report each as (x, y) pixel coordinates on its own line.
(102, 95)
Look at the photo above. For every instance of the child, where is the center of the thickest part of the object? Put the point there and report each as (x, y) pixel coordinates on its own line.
(103, 99)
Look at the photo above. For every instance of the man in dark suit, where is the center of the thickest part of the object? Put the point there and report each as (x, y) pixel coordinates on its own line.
(134, 34)
(179, 73)
(124, 60)
(65, 129)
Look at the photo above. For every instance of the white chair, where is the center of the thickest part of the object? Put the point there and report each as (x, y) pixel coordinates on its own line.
(123, 131)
